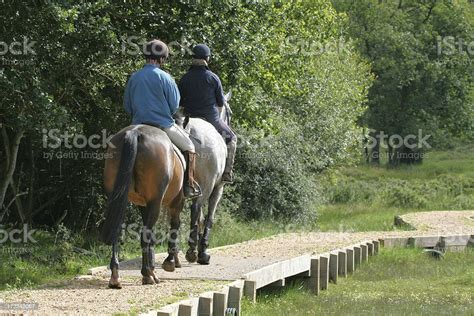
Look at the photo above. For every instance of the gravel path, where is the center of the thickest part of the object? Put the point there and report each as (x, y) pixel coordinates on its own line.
(88, 295)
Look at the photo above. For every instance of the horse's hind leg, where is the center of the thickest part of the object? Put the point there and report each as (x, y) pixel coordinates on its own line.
(150, 215)
(114, 282)
(191, 254)
(203, 256)
(172, 261)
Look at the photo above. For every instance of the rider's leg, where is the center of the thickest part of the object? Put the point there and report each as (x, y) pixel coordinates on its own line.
(231, 141)
(181, 139)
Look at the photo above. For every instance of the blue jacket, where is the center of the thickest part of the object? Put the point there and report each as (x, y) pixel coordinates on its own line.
(201, 93)
(151, 96)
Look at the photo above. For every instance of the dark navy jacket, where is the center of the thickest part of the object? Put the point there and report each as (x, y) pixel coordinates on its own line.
(201, 93)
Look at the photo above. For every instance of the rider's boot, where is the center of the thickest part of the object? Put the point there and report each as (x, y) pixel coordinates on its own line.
(228, 175)
(190, 187)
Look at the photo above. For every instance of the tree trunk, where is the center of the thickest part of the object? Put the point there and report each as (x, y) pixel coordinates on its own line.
(375, 152)
(11, 153)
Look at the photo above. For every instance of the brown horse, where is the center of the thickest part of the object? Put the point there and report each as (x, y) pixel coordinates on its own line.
(143, 168)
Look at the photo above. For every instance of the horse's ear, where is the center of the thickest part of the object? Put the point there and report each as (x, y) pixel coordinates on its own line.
(228, 96)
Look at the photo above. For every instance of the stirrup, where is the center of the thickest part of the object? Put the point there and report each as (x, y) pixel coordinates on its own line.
(192, 192)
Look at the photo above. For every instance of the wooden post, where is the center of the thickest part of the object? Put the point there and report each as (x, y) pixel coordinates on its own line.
(342, 261)
(365, 253)
(350, 260)
(250, 290)
(370, 248)
(376, 247)
(234, 299)
(313, 281)
(205, 305)
(219, 303)
(333, 267)
(357, 257)
(324, 271)
(185, 310)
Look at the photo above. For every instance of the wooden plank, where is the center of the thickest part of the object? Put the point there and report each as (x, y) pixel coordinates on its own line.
(333, 267)
(350, 260)
(219, 303)
(423, 241)
(357, 257)
(313, 282)
(234, 300)
(342, 263)
(324, 271)
(279, 270)
(250, 290)
(455, 240)
(391, 242)
(364, 253)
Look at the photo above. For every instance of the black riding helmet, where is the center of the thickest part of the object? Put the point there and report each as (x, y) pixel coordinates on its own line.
(201, 51)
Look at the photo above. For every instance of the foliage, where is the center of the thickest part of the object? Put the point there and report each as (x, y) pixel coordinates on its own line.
(423, 77)
(83, 55)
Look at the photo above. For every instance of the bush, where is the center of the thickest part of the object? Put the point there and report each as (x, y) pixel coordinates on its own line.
(273, 182)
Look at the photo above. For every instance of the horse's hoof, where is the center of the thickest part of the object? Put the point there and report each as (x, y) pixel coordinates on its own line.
(177, 264)
(168, 266)
(191, 256)
(203, 258)
(115, 284)
(148, 280)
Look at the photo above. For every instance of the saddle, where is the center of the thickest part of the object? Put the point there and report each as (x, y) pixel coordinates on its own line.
(177, 151)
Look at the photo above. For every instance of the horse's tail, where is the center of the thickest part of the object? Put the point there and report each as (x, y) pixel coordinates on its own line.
(117, 203)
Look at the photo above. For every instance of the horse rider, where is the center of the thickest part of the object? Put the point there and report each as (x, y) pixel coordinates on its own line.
(202, 96)
(152, 97)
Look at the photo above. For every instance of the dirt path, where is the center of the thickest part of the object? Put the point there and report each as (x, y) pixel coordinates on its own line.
(89, 294)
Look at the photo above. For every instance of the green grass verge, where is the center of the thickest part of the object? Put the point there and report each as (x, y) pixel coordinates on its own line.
(360, 198)
(396, 282)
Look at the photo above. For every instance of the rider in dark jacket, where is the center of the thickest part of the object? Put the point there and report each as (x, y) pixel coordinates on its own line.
(201, 96)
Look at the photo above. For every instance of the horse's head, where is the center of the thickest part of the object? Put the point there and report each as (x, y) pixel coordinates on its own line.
(226, 112)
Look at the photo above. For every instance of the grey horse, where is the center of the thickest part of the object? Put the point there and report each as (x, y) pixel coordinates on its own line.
(211, 152)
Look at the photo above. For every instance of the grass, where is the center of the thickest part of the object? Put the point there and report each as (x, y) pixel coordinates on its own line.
(360, 198)
(396, 282)
(366, 198)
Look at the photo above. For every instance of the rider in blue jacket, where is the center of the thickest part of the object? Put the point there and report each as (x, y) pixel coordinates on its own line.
(152, 97)
(202, 96)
